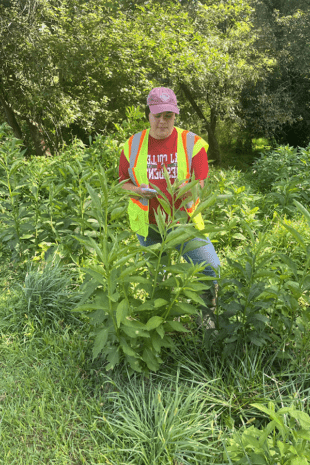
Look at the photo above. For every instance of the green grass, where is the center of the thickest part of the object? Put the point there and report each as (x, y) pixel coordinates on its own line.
(59, 407)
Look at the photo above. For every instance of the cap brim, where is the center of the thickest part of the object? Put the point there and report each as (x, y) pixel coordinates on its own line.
(154, 109)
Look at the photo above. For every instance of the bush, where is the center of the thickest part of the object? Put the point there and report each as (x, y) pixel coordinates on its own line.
(283, 441)
(282, 163)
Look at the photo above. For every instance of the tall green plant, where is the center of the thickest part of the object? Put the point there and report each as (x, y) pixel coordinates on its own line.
(131, 302)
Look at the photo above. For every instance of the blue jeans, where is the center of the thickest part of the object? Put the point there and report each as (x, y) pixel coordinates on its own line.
(205, 254)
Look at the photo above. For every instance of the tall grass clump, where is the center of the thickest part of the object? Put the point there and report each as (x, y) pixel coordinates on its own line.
(48, 295)
(161, 422)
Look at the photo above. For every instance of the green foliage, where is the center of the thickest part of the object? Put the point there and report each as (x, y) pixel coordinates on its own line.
(12, 213)
(281, 164)
(54, 388)
(283, 175)
(285, 440)
(74, 67)
(48, 296)
(133, 304)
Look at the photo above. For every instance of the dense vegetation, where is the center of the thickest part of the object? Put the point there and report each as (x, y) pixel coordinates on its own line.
(95, 367)
(103, 359)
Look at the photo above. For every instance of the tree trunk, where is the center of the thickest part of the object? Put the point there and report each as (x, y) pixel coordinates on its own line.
(10, 116)
(37, 138)
(214, 149)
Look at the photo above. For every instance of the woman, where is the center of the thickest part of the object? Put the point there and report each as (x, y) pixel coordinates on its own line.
(142, 164)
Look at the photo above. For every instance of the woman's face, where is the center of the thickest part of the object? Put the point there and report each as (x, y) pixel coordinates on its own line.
(162, 124)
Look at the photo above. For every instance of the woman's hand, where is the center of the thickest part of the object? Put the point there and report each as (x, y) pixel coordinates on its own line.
(139, 192)
(145, 193)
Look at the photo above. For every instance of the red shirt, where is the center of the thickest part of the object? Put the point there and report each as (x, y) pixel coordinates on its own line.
(163, 152)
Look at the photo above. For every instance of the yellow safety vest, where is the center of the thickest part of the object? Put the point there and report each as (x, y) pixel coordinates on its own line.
(136, 152)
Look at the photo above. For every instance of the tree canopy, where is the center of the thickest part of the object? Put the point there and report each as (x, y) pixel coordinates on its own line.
(73, 66)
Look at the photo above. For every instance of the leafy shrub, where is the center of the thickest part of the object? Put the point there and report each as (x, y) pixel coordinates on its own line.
(264, 294)
(282, 163)
(284, 441)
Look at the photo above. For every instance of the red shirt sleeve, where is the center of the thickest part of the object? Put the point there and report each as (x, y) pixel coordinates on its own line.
(123, 168)
(200, 165)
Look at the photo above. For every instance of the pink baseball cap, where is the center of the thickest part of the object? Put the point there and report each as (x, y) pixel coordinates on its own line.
(162, 99)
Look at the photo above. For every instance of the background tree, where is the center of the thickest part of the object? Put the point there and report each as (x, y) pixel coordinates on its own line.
(73, 66)
(278, 106)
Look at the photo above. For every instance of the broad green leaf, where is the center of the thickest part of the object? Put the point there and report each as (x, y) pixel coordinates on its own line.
(100, 341)
(178, 268)
(98, 317)
(247, 438)
(150, 359)
(27, 236)
(258, 459)
(185, 309)
(260, 317)
(121, 312)
(193, 245)
(134, 363)
(160, 303)
(186, 188)
(290, 263)
(302, 417)
(165, 205)
(89, 241)
(160, 221)
(156, 341)
(205, 204)
(160, 330)
(148, 305)
(113, 359)
(175, 235)
(114, 297)
(299, 461)
(267, 430)
(175, 326)
(126, 348)
(97, 276)
(131, 332)
(117, 212)
(303, 434)
(249, 230)
(125, 259)
(258, 342)
(153, 322)
(133, 324)
(198, 287)
(275, 417)
(239, 236)
(193, 296)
